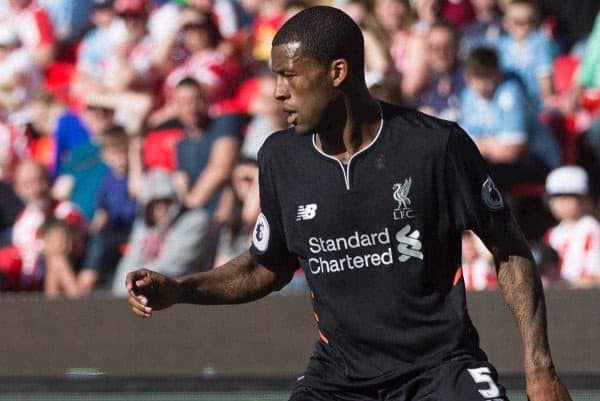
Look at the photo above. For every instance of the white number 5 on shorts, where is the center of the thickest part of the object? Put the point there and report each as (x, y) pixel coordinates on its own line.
(484, 375)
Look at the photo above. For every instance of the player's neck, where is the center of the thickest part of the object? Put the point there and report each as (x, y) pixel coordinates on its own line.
(353, 126)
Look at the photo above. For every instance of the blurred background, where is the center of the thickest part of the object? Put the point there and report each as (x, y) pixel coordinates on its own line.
(129, 131)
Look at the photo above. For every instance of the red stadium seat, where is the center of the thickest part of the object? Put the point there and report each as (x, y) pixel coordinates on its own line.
(160, 148)
(58, 79)
(564, 72)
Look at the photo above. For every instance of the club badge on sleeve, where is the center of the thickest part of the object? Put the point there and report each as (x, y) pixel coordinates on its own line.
(491, 196)
(260, 236)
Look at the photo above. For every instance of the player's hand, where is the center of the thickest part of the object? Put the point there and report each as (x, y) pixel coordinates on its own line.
(545, 385)
(149, 291)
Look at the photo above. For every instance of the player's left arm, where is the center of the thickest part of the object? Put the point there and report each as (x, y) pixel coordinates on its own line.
(521, 287)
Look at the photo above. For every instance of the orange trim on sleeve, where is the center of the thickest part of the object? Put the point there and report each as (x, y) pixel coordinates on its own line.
(323, 338)
(457, 276)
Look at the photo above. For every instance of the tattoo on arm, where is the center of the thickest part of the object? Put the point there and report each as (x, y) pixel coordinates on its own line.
(239, 280)
(521, 287)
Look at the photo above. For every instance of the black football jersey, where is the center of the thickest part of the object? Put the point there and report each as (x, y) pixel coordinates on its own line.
(379, 239)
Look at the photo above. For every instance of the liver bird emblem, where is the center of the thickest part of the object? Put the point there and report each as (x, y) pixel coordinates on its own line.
(401, 194)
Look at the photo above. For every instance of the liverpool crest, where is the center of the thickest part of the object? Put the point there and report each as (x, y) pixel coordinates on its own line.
(401, 191)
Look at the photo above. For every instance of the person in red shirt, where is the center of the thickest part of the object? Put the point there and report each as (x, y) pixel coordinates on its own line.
(47, 238)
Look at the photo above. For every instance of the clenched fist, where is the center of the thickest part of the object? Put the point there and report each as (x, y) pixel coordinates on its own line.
(149, 291)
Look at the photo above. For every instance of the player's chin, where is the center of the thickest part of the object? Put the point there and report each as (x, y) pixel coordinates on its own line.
(302, 129)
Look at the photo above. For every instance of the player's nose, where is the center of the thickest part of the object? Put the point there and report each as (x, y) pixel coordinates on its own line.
(280, 92)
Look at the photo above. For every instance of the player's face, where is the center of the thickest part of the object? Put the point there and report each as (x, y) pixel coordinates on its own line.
(303, 86)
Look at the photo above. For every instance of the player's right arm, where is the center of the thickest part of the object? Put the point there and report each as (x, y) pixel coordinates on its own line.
(240, 280)
(266, 267)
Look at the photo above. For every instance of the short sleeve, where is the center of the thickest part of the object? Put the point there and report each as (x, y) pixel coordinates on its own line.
(269, 246)
(229, 125)
(180, 164)
(474, 200)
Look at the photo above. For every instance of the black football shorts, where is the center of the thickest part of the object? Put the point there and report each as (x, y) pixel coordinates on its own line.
(464, 378)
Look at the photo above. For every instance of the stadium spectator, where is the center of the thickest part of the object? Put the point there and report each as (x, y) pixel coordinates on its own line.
(115, 209)
(20, 77)
(478, 269)
(236, 231)
(457, 12)
(576, 238)
(588, 75)
(484, 31)
(267, 117)
(132, 69)
(44, 113)
(78, 180)
(496, 114)
(47, 239)
(13, 147)
(204, 157)
(209, 64)
(34, 28)
(527, 52)
(446, 81)
(130, 66)
(126, 73)
(428, 13)
(65, 127)
(10, 207)
(99, 41)
(207, 153)
(228, 15)
(573, 19)
(396, 18)
(265, 24)
(166, 236)
(377, 58)
(415, 73)
(587, 85)
(69, 18)
(185, 106)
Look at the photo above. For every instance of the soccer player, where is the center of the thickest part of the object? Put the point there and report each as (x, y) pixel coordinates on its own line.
(371, 200)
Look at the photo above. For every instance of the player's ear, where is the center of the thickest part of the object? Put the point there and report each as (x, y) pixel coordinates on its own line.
(338, 71)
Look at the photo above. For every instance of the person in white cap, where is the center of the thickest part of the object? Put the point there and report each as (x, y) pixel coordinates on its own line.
(576, 238)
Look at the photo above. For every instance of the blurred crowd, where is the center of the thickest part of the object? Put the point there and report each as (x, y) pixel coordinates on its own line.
(129, 129)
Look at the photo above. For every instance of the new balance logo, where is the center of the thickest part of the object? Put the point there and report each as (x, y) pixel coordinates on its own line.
(306, 212)
(409, 245)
